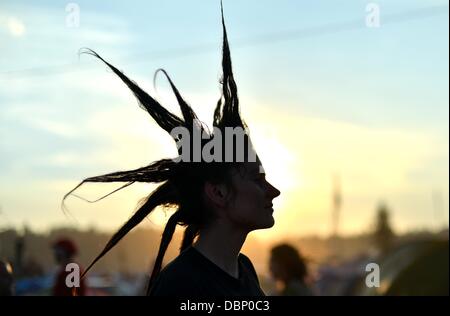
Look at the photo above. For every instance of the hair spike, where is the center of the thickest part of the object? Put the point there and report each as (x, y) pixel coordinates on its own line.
(157, 171)
(161, 196)
(188, 114)
(163, 118)
(227, 109)
(165, 241)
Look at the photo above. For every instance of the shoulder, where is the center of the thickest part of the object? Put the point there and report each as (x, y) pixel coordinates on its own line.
(178, 278)
(182, 267)
(245, 260)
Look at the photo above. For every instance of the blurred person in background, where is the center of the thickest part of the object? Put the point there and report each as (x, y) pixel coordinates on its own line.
(289, 269)
(6, 279)
(64, 251)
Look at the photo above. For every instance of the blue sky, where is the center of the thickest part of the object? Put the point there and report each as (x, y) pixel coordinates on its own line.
(60, 113)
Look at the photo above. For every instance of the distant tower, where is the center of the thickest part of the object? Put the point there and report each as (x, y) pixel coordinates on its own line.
(337, 202)
(438, 207)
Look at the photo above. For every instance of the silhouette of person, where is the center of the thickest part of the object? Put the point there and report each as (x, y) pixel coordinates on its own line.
(288, 267)
(6, 279)
(64, 251)
(218, 201)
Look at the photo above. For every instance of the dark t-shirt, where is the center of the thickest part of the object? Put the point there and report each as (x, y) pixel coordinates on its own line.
(192, 274)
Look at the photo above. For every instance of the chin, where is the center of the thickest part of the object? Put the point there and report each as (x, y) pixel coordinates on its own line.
(272, 223)
(260, 222)
(268, 223)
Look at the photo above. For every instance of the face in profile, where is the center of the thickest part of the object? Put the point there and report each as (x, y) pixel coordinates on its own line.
(251, 204)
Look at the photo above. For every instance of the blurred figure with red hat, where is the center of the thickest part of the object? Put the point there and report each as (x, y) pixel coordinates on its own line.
(64, 251)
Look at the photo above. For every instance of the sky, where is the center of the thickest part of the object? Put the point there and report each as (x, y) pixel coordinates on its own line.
(326, 96)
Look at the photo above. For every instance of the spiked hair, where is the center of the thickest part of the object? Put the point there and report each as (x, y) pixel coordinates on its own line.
(181, 182)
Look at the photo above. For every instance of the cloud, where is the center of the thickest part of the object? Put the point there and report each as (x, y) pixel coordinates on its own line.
(374, 164)
(50, 46)
(57, 128)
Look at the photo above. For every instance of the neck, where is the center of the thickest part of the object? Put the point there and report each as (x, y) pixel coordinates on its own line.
(221, 244)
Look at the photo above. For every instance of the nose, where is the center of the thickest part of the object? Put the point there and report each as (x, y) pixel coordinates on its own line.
(272, 191)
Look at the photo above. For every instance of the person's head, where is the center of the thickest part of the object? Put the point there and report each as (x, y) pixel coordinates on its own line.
(64, 250)
(230, 188)
(287, 264)
(243, 201)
